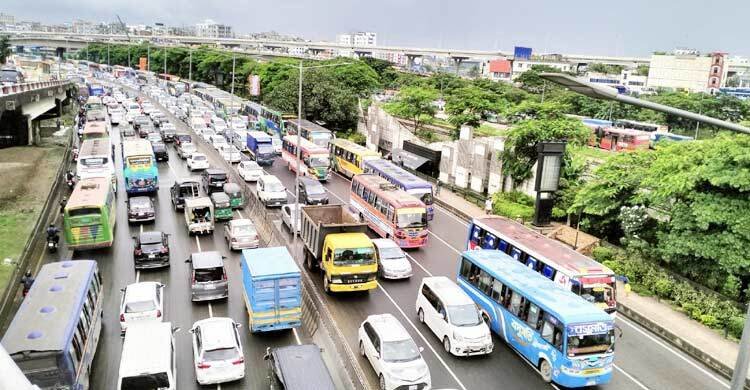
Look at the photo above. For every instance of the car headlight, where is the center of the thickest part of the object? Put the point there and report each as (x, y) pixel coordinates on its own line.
(457, 337)
(336, 280)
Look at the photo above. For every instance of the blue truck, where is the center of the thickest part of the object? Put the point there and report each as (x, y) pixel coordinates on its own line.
(260, 146)
(273, 289)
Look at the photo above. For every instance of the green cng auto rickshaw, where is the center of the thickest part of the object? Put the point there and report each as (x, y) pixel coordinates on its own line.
(236, 196)
(222, 206)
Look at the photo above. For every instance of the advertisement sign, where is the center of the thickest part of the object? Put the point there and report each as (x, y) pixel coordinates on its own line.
(522, 53)
(255, 85)
(143, 63)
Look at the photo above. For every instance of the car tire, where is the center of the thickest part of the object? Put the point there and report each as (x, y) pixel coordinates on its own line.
(381, 382)
(361, 348)
(545, 370)
(446, 344)
(420, 314)
(326, 284)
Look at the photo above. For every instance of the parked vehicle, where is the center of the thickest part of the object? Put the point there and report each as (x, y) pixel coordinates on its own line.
(393, 354)
(183, 188)
(311, 192)
(272, 289)
(236, 195)
(241, 234)
(199, 215)
(392, 261)
(217, 141)
(222, 206)
(208, 278)
(213, 180)
(197, 161)
(148, 358)
(141, 209)
(207, 134)
(338, 244)
(217, 351)
(151, 250)
(186, 149)
(290, 216)
(453, 317)
(141, 120)
(249, 170)
(298, 367)
(270, 191)
(141, 302)
(260, 146)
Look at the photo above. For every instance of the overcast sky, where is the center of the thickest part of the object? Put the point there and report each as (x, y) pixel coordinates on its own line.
(633, 27)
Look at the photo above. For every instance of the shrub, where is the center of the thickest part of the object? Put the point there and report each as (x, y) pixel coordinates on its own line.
(736, 323)
(603, 254)
(513, 205)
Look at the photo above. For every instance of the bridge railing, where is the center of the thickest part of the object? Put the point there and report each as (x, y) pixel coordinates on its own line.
(25, 87)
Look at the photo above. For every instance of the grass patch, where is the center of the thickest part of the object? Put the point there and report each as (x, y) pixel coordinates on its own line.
(590, 152)
(486, 130)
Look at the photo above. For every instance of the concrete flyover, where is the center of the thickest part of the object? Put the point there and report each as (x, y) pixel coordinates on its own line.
(22, 106)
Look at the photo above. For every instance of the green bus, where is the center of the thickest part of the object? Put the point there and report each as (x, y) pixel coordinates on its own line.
(89, 215)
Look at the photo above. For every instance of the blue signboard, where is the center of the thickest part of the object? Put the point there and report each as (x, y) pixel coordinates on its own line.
(522, 53)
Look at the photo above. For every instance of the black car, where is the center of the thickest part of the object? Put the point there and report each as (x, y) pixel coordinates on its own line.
(160, 151)
(145, 129)
(180, 138)
(141, 209)
(311, 192)
(127, 132)
(151, 250)
(213, 180)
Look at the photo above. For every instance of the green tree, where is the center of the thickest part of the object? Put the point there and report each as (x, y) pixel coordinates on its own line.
(415, 104)
(4, 48)
(474, 72)
(605, 68)
(468, 105)
(531, 109)
(530, 80)
(642, 70)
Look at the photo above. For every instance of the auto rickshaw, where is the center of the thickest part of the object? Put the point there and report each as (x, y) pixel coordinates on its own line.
(222, 206)
(236, 196)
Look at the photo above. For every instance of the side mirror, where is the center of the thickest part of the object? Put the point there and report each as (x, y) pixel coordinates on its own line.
(237, 325)
(188, 261)
(161, 285)
(122, 289)
(134, 237)
(223, 257)
(421, 349)
(176, 329)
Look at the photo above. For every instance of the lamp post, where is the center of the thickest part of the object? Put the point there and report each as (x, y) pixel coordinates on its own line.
(148, 56)
(190, 65)
(549, 164)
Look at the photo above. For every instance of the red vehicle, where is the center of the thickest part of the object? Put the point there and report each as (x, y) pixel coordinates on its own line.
(623, 139)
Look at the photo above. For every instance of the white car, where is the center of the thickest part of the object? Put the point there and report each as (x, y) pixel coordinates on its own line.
(218, 141)
(197, 161)
(392, 261)
(276, 143)
(230, 154)
(141, 302)
(116, 117)
(249, 170)
(241, 234)
(206, 134)
(289, 216)
(186, 149)
(130, 115)
(217, 351)
(393, 354)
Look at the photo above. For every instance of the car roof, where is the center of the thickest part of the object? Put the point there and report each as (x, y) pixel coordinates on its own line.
(217, 332)
(220, 197)
(388, 327)
(210, 259)
(302, 367)
(309, 181)
(384, 243)
(142, 291)
(447, 290)
(150, 237)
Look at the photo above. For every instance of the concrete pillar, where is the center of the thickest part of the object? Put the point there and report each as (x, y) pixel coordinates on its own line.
(410, 59)
(458, 61)
(30, 129)
(60, 52)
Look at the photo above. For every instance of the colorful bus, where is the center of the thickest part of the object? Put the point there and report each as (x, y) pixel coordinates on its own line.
(310, 131)
(95, 160)
(407, 181)
(569, 340)
(271, 121)
(315, 160)
(139, 167)
(89, 216)
(348, 158)
(54, 335)
(554, 260)
(391, 212)
(94, 130)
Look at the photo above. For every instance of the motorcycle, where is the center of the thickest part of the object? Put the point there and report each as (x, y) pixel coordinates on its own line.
(74, 154)
(52, 244)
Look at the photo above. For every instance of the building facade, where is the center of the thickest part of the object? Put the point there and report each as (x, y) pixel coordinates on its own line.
(691, 72)
(361, 38)
(6, 19)
(211, 29)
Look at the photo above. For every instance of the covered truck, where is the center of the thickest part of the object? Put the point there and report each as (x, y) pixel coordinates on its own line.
(336, 243)
(260, 146)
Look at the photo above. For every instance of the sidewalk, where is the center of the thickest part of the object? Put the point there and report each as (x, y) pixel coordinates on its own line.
(691, 337)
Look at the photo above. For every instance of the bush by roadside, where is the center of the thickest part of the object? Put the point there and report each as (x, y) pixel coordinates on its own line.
(517, 205)
(650, 280)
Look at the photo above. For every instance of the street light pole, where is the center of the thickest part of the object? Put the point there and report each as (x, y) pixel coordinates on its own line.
(231, 104)
(165, 60)
(148, 56)
(298, 216)
(190, 66)
(739, 374)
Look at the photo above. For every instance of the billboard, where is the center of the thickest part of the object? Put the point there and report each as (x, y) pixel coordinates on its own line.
(522, 53)
(142, 63)
(254, 85)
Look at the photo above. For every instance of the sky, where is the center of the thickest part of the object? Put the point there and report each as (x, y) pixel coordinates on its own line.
(621, 28)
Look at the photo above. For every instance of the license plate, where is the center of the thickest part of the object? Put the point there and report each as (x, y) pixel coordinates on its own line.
(151, 256)
(413, 387)
(209, 287)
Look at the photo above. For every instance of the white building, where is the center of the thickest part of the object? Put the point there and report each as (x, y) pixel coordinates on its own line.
(7, 19)
(84, 27)
(361, 38)
(211, 29)
(695, 73)
(520, 66)
(627, 78)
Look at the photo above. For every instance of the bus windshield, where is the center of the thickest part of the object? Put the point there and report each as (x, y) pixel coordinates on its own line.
(318, 161)
(591, 344)
(598, 294)
(423, 194)
(139, 160)
(84, 211)
(358, 256)
(464, 315)
(157, 380)
(412, 219)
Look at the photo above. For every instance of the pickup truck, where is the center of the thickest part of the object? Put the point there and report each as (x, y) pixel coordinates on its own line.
(336, 243)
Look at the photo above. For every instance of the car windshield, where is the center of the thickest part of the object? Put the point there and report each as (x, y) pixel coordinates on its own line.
(464, 315)
(400, 351)
(319, 161)
(140, 204)
(591, 344)
(391, 253)
(357, 256)
(244, 230)
(221, 354)
(199, 157)
(598, 294)
(208, 274)
(139, 306)
(146, 382)
(274, 187)
(316, 190)
(188, 147)
(412, 219)
(153, 247)
(217, 177)
(9, 76)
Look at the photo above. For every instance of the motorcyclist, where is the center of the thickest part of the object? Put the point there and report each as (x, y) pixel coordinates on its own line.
(52, 233)
(27, 282)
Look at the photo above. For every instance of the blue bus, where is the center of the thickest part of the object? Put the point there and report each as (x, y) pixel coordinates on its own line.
(54, 334)
(407, 181)
(272, 289)
(568, 339)
(656, 137)
(96, 89)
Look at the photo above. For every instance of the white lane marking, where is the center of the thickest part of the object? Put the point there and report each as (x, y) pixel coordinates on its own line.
(210, 310)
(674, 352)
(141, 226)
(641, 385)
(172, 169)
(448, 213)
(420, 265)
(296, 336)
(137, 276)
(240, 214)
(443, 241)
(198, 242)
(423, 337)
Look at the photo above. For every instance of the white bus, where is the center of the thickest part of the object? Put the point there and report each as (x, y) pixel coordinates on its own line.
(95, 159)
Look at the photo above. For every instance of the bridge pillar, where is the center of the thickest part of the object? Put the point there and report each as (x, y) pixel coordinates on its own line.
(315, 52)
(60, 52)
(361, 54)
(410, 59)
(457, 61)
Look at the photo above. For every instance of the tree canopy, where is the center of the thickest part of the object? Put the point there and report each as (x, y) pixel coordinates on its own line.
(415, 104)
(4, 48)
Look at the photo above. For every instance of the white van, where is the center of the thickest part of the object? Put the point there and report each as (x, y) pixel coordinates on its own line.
(454, 318)
(148, 357)
(270, 191)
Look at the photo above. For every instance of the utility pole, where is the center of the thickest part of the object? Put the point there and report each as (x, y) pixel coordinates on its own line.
(165, 60)
(148, 56)
(298, 216)
(128, 56)
(190, 66)
(108, 64)
(698, 124)
(231, 104)
(739, 375)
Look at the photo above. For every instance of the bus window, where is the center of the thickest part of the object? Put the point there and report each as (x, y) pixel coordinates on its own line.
(502, 246)
(515, 253)
(515, 303)
(497, 291)
(485, 283)
(465, 269)
(476, 235)
(548, 272)
(489, 241)
(533, 317)
(531, 263)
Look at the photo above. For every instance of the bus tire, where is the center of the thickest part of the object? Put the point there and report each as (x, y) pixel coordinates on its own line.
(545, 370)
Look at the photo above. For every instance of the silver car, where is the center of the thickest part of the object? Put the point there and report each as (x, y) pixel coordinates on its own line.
(208, 278)
(241, 234)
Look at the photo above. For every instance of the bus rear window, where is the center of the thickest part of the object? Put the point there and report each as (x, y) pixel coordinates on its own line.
(84, 211)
